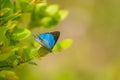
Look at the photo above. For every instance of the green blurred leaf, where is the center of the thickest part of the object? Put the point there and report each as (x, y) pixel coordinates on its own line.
(62, 14)
(3, 30)
(40, 8)
(3, 56)
(26, 7)
(23, 5)
(7, 16)
(62, 45)
(45, 22)
(52, 9)
(15, 62)
(47, 16)
(12, 52)
(20, 34)
(4, 12)
(8, 75)
(11, 24)
(28, 53)
(37, 14)
(48, 22)
(14, 16)
(6, 4)
(31, 52)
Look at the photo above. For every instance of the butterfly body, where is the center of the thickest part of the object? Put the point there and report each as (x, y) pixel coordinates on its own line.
(48, 39)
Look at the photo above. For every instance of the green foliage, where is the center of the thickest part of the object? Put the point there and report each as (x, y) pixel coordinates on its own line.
(6, 4)
(17, 45)
(20, 34)
(3, 30)
(8, 75)
(62, 45)
(46, 16)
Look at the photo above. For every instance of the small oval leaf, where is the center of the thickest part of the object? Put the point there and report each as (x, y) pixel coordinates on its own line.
(62, 45)
(3, 30)
(63, 14)
(20, 34)
(52, 9)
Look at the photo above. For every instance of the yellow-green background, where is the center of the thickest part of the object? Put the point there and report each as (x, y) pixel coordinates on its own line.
(94, 27)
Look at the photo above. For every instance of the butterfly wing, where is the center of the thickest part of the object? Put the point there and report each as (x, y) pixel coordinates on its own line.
(48, 39)
(56, 35)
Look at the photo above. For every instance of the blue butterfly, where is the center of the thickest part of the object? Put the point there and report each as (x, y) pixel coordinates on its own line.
(48, 39)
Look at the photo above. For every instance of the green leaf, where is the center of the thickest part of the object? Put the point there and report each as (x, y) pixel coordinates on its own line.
(48, 22)
(40, 8)
(37, 14)
(23, 5)
(6, 4)
(14, 16)
(3, 30)
(20, 34)
(12, 52)
(31, 50)
(15, 62)
(62, 14)
(52, 9)
(62, 45)
(7, 16)
(3, 56)
(5, 52)
(8, 75)
(11, 24)
(5, 12)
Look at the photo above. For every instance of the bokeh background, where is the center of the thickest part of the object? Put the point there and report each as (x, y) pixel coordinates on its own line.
(94, 27)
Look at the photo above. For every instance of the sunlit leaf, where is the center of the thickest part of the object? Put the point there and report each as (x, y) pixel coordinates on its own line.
(40, 8)
(8, 75)
(52, 9)
(37, 14)
(3, 30)
(15, 62)
(11, 24)
(3, 56)
(29, 52)
(4, 12)
(20, 34)
(14, 16)
(48, 22)
(6, 4)
(63, 14)
(62, 45)
(36, 44)
(32, 52)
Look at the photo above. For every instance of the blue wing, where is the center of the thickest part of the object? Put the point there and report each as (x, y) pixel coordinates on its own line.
(48, 40)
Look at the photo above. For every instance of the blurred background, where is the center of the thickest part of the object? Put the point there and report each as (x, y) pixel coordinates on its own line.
(94, 27)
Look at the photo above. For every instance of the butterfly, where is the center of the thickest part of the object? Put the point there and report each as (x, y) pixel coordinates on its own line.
(48, 39)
